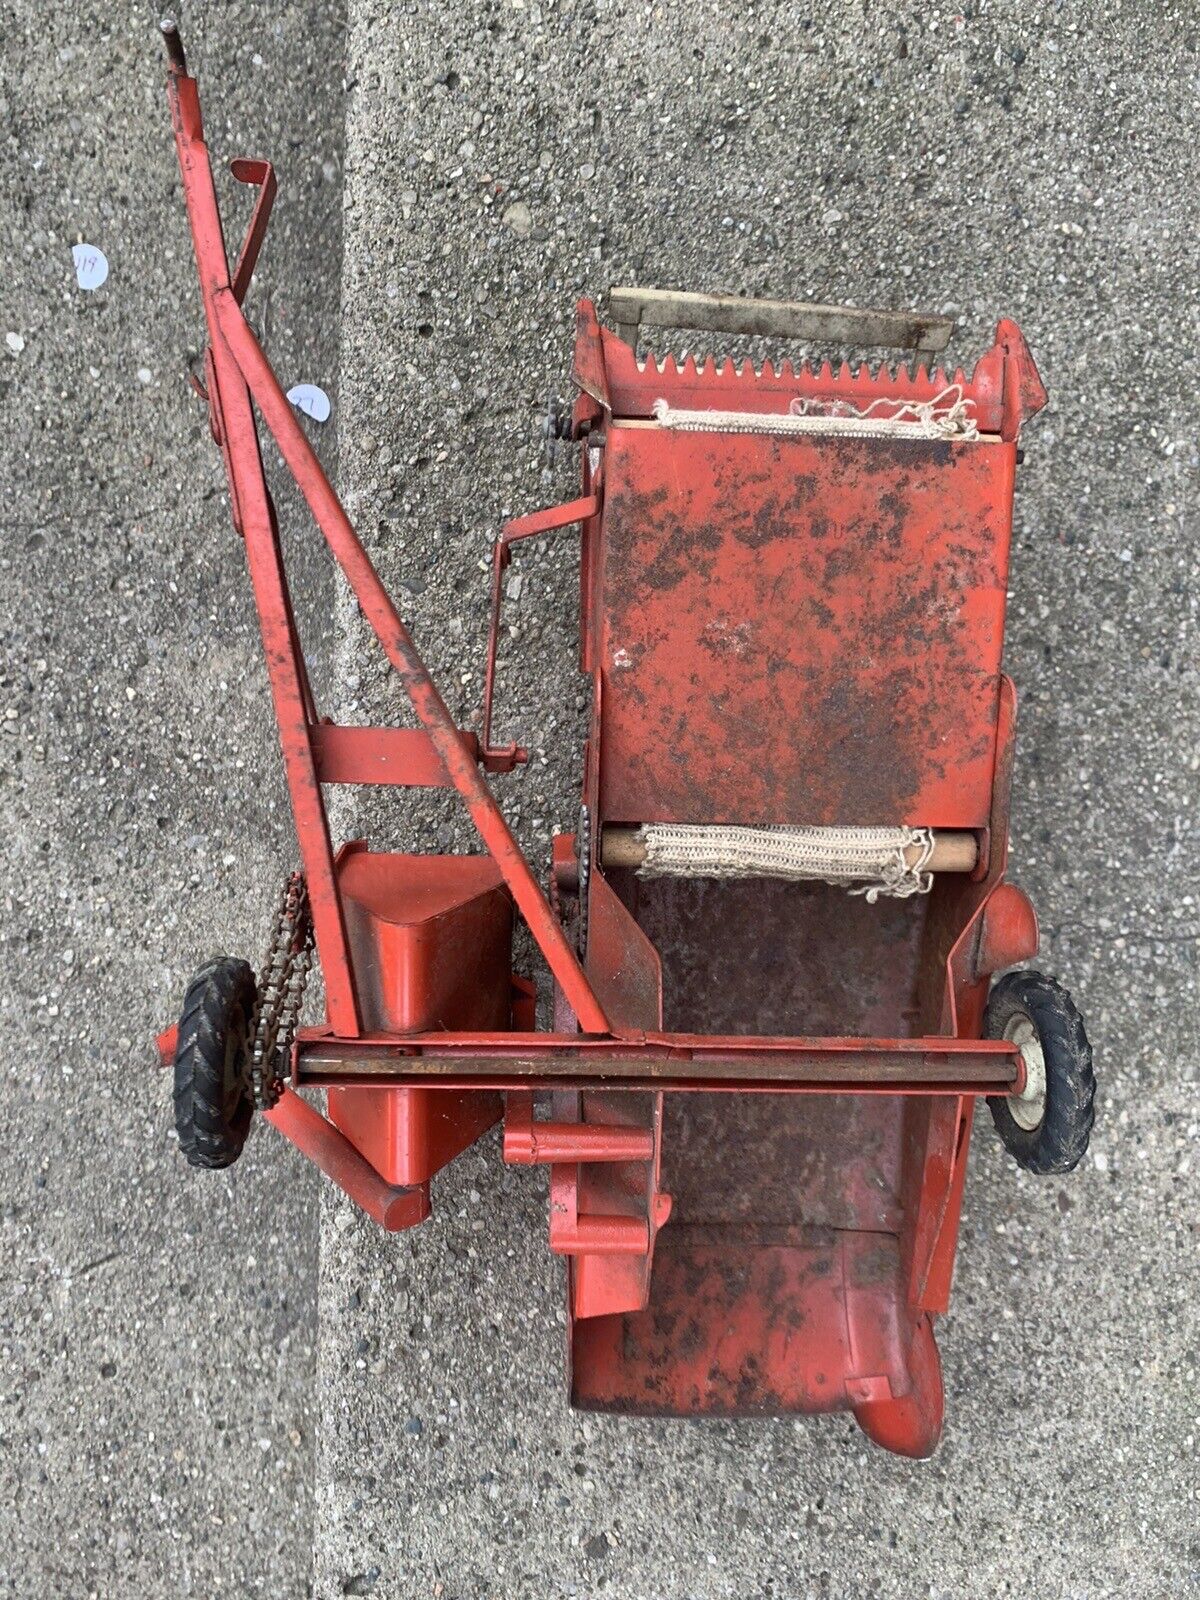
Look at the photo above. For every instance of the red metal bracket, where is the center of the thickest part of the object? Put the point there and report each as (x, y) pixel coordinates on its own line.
(528, 1143)
(404, 757)
(316, 1137)
(1008, 931)
(261, 173)
(527, 527)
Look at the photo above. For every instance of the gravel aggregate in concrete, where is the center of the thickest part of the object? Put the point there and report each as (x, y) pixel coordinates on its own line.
(157, 1325)
(166, 1353)
(1024, 160)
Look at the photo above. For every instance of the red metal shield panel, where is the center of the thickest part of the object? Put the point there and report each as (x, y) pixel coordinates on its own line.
(801, 629)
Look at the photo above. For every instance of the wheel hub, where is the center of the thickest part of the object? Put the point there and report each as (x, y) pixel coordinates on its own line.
(1029, 1107)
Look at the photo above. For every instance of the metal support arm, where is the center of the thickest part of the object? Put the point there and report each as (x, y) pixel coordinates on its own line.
(574, 512)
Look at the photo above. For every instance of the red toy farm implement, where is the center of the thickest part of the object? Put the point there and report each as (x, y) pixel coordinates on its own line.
(771, 934)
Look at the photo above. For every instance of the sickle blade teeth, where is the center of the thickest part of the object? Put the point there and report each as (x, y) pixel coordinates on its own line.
(857, 385)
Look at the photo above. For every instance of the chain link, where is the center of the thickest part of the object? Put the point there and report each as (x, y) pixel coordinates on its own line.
(280, 992)
(583, 854)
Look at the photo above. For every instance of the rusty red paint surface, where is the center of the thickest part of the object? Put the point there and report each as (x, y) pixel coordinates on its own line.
(770, 1321)
(801, 630)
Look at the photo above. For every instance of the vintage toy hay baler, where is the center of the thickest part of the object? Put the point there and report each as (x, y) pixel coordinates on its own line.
(772, 930)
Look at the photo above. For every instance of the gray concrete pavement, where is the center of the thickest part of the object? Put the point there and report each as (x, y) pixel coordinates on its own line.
(166, 1354)
(157, 1326)
(1034, 162)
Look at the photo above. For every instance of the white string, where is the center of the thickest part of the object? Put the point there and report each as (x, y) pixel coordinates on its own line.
(949, 415)
(841, 856)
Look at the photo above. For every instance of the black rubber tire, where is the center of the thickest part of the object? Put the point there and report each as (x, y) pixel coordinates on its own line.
(213, 1104)
(1059, 1141)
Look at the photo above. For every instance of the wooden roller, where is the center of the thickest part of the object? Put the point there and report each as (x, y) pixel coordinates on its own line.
(952, 851)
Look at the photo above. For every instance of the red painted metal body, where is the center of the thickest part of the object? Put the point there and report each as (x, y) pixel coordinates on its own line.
(756, 1098)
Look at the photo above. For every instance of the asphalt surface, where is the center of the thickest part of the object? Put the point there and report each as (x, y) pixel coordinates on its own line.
(157, 1326)
(167, 1355)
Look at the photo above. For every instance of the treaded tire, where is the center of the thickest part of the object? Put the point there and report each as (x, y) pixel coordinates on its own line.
(1058, 1141)
(213, 1106)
